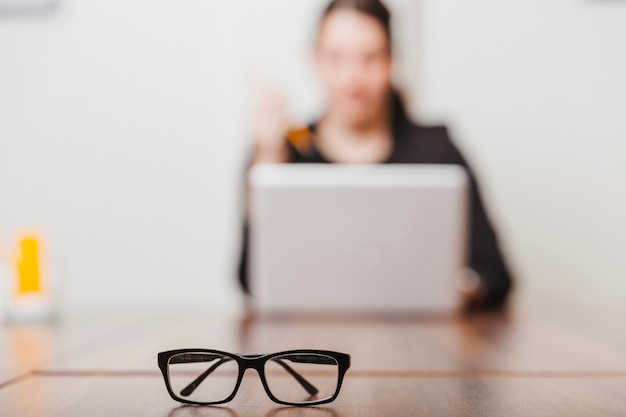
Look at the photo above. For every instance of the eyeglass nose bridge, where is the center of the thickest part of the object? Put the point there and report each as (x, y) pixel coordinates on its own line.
(253, 361)
(256, 363)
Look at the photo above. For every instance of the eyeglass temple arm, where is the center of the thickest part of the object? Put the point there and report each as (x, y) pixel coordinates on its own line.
(305, 384)
(189, 389)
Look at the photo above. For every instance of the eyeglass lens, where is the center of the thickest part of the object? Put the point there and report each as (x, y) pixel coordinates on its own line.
(320, 374)
(202, 377)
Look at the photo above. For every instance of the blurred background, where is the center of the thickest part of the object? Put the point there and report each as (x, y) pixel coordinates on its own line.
(124, 134)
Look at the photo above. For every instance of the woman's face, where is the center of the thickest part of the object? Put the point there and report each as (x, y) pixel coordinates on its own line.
(353, 60)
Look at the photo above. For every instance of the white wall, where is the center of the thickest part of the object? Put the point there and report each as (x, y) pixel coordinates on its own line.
(536, 91)
(121, 140)
(123, 131)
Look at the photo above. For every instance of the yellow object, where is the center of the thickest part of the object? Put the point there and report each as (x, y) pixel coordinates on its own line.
(28, 267)
(301, 138)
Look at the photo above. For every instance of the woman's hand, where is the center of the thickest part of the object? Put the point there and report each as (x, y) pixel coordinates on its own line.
(472, 289)
(270, 121)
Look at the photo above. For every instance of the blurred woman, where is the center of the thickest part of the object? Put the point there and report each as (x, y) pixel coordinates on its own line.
(365, 122)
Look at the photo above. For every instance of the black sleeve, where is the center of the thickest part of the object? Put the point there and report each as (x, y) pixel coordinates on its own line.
(485, 255)
(242, 272)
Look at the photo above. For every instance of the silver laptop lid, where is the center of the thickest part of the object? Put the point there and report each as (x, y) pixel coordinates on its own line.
(357, 238)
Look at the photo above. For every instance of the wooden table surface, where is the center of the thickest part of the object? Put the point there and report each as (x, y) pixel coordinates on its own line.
(518, 363)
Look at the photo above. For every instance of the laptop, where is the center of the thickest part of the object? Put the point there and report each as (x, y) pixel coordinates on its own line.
(333, 238)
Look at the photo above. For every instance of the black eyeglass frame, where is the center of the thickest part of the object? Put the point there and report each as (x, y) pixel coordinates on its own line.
(256, 362)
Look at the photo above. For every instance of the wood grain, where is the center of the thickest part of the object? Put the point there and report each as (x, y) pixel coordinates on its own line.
(360, 396)
(24, 347)
(484, 343)
(498, 364)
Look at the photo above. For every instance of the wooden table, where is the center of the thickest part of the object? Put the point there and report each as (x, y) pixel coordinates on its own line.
(517, 363)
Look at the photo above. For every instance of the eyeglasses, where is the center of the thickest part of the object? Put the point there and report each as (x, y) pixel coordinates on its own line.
(294, 377)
